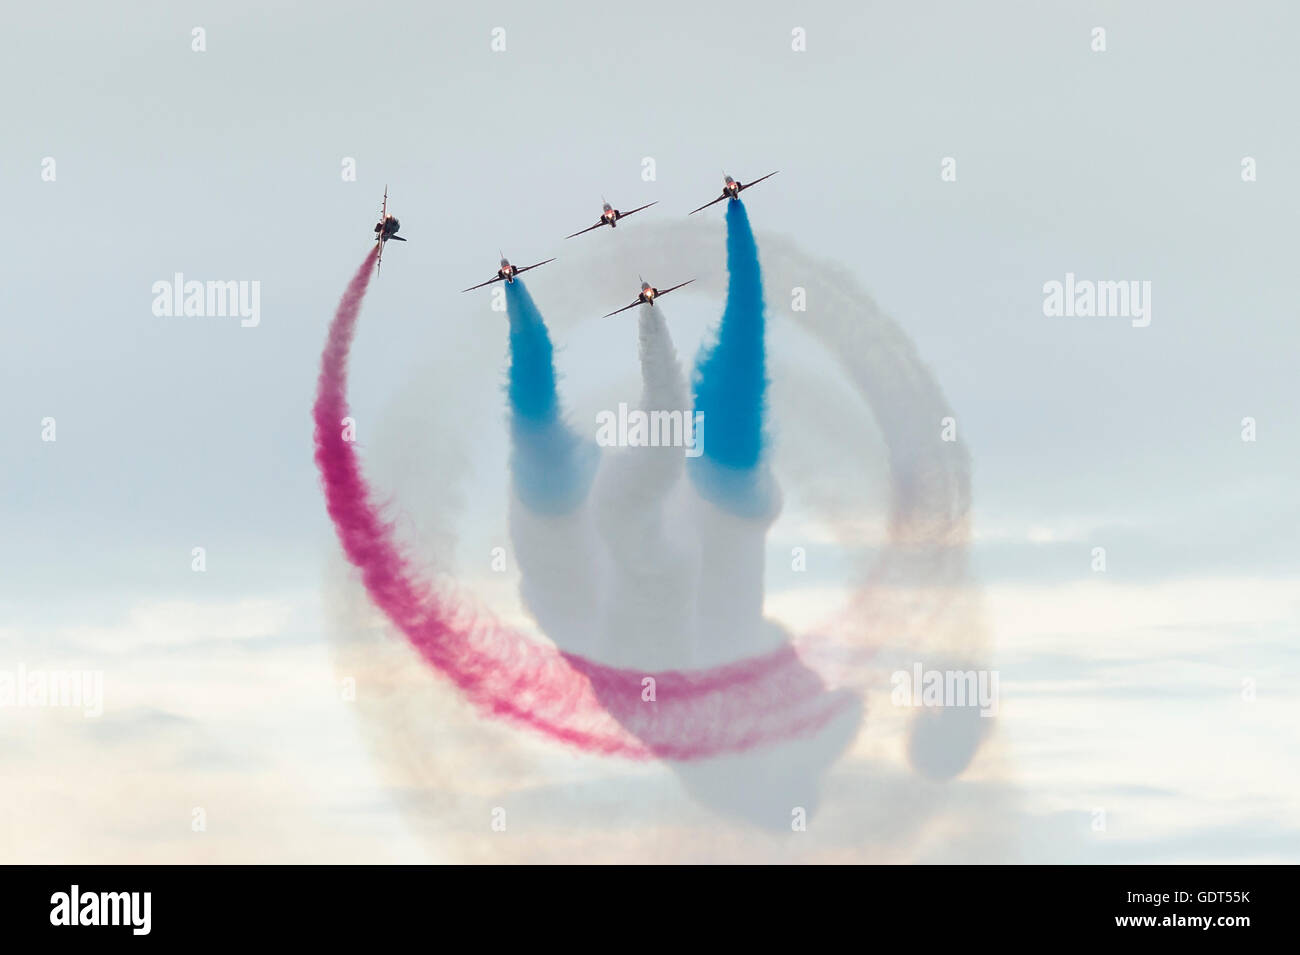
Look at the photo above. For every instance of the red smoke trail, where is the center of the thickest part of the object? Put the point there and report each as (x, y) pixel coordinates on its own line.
(568, 698)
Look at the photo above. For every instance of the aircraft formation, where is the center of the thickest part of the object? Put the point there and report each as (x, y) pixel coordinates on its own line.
(387, 226)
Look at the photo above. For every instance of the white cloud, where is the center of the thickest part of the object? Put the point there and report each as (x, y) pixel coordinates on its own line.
(180, 622)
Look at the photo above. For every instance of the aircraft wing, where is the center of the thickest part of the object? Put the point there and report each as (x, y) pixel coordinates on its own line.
(637, 209)
(588, 229)
(623, 309)
(481, 284)
(707, 204)
(379, 236)
(533, 266)
(757, 181)
(665, 291)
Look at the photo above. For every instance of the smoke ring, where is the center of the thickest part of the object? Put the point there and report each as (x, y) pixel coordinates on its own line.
(929, 507)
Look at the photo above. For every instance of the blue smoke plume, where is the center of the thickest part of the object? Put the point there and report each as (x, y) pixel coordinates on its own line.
(552, 467)
(730, 384)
